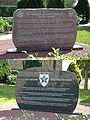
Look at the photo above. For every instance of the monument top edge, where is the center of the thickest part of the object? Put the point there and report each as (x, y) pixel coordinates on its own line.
(36, 9)
(45, 9)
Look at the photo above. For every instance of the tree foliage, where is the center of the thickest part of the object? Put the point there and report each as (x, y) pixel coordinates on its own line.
(30, 4)
(85, 67)
(5, 70)
(82, 8)
(69, 3)
(55, 4)
(74, 68)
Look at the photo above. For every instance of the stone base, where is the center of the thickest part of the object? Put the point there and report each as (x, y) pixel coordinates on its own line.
(77, 47)
(15, 50)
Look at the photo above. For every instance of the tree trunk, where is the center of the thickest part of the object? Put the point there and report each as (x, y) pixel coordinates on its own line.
(86, 80)
(54, 64)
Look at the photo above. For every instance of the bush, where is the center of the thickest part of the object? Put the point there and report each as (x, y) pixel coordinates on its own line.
(74, 68)
(7, 11)
(11, 79)
(2, 25)
(30, 4)
(55, 4)
(5, 70)
(5, 24)
(14, 72)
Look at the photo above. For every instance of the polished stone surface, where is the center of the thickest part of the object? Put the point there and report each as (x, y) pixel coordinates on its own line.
(42, 29)
(39, 89)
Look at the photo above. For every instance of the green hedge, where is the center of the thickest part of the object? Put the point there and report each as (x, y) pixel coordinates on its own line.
(7, 11)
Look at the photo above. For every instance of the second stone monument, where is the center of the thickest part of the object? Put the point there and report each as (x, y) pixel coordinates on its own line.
(42, 29)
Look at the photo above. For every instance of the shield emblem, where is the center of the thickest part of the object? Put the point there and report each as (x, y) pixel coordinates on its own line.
(44, 79)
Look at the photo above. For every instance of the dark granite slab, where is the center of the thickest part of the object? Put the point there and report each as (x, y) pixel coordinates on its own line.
(39, 89)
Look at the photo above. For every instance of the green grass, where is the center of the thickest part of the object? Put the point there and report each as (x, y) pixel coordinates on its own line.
(83, 35)
(7, 94)
(84, 96)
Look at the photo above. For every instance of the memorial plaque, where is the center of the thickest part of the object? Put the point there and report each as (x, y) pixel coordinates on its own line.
(47, 90)
(42, 29)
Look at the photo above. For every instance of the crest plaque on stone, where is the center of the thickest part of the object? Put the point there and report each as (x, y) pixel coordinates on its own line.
(47, 90)
(44, 79)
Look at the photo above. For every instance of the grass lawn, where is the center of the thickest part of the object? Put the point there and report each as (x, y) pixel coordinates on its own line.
(7, 95)
(84, 96)
(83, 35)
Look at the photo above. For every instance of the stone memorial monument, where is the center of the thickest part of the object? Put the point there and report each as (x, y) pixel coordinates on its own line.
(42, 29)
(39, 89)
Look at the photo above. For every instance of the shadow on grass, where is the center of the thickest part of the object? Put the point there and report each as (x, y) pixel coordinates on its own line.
(84, 28)
(85, 96)
(7, 92)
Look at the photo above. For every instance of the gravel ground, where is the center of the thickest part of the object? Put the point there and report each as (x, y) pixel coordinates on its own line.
(7, 44)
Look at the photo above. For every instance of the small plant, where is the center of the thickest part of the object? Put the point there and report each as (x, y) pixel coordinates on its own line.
(26, 116)
(56, 54)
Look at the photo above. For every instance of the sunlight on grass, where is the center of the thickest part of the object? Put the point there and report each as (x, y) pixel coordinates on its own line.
(7, 94)
(82, 87)
(83, 35)
(84, 96)
(4, 100)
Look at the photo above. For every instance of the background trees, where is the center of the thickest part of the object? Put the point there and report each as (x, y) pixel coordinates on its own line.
(55, 4)
(7, 74)
(5, 70)
(40, 4)
(82, 9)
(69, 3)
(73, 67)
(30, 4)
(85, 67)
